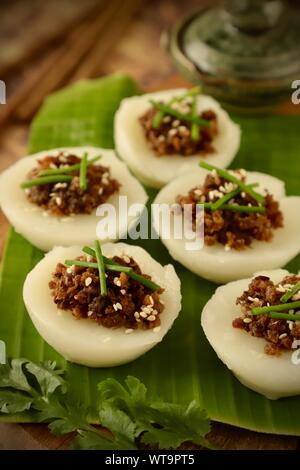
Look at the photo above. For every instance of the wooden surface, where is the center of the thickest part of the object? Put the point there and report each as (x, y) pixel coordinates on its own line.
(135, 50)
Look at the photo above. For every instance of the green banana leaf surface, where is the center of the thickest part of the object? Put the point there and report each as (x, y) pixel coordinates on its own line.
(183, 366)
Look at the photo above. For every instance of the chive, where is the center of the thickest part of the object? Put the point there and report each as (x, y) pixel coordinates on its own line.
(285, 316)
(234, 207)
(67, 169)
(46, 180)
(275, 308)
(285, 297)
(195, 131)
(107, 261)
(101, 268)
(228, 196)
(142, 280)
(160, 114)
(84, 264)
(82, 175)
(258, 197)
(112, 266)
(183, 117)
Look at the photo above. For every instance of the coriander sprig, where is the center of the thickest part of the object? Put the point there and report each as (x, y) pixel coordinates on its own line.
(228, 176)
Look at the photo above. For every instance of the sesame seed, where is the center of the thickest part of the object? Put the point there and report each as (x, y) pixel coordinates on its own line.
(243, 194)
(126, 259)
(128, 331)
(172, 132)
(247, 320)
(60, 185)
(155, 312)
(283, 335)
(70, 270)
(58, 201)
(161, 138)
(117, 306)
(53, 166)
(227, 248)
(117, 282)
(143, 314)
(147, 309)
(123, 291)
(88, 281)
(151, 300)
(104, 181)
(151, 318)
(198, 192)
(90, 313)
(167, 119)
(136, 315)
(296, 296)
(100, 191)
(176, 123)
(291, 324)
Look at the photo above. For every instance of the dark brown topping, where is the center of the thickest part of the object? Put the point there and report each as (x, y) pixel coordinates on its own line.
(235, 230)
(279, 334)
(128, 304)
(63, 199)
(173, 136)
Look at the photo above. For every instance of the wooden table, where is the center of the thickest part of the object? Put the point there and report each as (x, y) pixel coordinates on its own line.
(138, 53)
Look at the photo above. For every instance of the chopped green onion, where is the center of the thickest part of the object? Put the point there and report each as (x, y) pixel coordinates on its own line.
(234, 207)
(285, 297)
(195, 131)
(221, 172)
(217, 204)
(84, 264)
(111, 265)
(176, 99)
(83, 181)
(285, 316)
(101, 268)
(182, 116)
(67, 169)
(46, 180)
(275, 308)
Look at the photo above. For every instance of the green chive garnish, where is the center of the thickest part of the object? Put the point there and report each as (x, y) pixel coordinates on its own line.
(217, 204)
(195, 131)
(234, 207)
(285, 316)
(176, 99)
(67, 169)
(275, 308)
(101, 268)
(111, 265)
(82, 175)
(46, 180)
(290, 293)
(221, 172)
(182, 116)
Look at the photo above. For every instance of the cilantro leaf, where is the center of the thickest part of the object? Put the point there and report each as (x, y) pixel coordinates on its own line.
(14, 401)
(123, 427)
(48, 378)
(12, 375)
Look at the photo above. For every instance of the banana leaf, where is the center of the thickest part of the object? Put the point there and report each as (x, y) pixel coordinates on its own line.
(183, 366)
